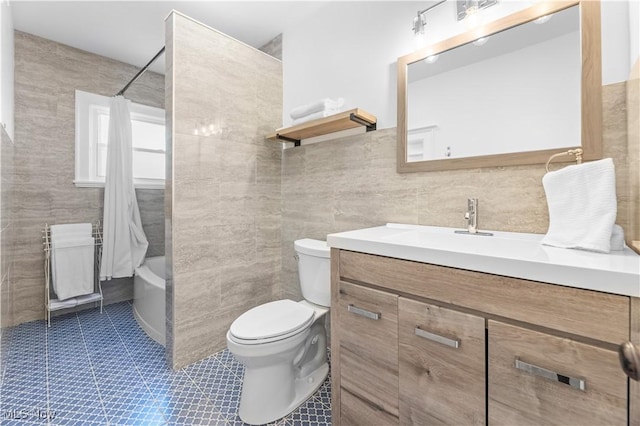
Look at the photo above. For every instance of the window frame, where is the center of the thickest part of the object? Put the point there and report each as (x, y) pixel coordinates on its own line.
(88, 108)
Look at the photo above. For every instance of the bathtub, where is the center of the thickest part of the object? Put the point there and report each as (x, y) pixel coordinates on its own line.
(149, 297)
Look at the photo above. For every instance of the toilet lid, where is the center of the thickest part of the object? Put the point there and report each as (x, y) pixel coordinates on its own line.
(272, 319)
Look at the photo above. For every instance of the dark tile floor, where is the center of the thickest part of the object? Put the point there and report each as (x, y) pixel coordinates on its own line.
(94, 369)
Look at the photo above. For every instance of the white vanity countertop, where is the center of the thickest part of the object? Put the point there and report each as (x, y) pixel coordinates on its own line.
(510, 254)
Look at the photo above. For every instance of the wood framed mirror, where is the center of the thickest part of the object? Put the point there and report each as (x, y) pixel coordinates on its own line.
(534, 91)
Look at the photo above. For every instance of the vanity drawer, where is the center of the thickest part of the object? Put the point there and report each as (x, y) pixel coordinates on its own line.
(536, 378)
(442, 365)
(369, 347)
(587, 313)
(357, 411)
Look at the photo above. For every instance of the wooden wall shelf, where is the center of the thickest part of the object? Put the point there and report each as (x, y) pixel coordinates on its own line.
(334, 123)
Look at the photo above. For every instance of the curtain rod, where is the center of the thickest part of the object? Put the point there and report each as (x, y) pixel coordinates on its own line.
(139, 74)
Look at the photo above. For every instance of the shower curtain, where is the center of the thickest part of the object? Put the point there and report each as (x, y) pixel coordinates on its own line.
(124, 242)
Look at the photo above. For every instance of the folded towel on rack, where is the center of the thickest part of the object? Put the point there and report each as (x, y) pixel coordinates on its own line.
(65, 232)
(72, 266)
(71, 230)
(317, 106)
(315, 116)
(582, 206)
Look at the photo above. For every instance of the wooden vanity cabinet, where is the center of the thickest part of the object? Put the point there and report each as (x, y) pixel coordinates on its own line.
(368, 321)
(536, 377)
(421, 344)
(442, 368)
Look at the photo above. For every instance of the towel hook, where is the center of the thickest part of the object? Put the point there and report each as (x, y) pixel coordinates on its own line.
(577, 152)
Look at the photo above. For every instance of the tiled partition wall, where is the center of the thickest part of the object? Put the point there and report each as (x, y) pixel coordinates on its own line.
(46, 77)
(223, 195)
(7, 233)
(352, 183)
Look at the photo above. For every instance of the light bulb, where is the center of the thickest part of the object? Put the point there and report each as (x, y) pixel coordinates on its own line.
(481, 41)
(542, 19)
(431, 59)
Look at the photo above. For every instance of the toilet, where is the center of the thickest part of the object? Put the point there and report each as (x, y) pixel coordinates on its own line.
(283, 344)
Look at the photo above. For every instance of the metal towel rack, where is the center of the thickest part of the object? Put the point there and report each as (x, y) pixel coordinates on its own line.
(577, 152)
(53, 304)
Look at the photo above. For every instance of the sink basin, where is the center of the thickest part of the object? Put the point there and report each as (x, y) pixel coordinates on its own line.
(511, 254)
(447, 239)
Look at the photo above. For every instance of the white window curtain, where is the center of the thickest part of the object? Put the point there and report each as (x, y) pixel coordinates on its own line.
(124, 241)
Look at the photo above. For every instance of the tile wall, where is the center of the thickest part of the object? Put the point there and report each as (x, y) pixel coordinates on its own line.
(352, 183)
(223, 190)
(7, 231)
(46, 77)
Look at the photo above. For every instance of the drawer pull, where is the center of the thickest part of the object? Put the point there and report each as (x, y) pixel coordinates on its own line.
(368, 314)
(437, 338)
(551, 375)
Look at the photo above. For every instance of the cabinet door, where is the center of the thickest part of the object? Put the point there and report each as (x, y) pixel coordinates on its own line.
(442, 365)
(536, 378)
(368, 355)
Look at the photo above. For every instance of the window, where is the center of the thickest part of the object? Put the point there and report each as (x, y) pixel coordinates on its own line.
(92, 132)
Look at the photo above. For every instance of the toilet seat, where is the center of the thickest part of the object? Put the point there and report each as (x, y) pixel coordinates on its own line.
(271, 322)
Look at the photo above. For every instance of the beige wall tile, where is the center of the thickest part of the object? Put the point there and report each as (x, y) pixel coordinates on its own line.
(352, 183)
(46, 77)
(225, 189)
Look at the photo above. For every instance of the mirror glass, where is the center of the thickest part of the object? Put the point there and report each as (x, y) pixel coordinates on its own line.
(531, 90)
(518, 90)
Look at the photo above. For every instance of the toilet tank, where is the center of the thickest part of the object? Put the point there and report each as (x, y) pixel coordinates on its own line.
(314, 270)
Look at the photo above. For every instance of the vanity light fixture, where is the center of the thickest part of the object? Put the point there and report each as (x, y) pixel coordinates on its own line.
(481, 41)
(470, 7)
(420, 20)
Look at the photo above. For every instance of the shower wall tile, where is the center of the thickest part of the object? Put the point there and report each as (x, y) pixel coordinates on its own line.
(352, 183)
(42, 168)
(151, 204)
(7, 231)
(225, 211)
(169, 195)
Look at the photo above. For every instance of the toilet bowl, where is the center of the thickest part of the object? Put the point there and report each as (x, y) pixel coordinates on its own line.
(283, 344)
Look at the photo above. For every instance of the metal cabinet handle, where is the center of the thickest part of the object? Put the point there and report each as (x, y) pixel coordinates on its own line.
(437, 338)
(368, 314)
(551, 375)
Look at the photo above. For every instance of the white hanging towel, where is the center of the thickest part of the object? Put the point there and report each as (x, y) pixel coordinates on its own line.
(124, 242)
(72, 266)
(66, 232)
(582, 206)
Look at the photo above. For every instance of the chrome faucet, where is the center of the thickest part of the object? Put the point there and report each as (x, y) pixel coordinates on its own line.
(472, 215)
(472, 219)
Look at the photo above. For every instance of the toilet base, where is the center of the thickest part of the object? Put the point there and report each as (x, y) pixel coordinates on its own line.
(304, 387)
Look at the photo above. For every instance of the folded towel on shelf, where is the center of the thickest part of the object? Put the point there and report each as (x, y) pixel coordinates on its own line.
(582, 206)
(317, 106)
(315, 116)
(617, 238)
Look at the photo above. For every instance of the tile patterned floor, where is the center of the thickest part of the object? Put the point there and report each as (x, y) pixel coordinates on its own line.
(93, 369)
